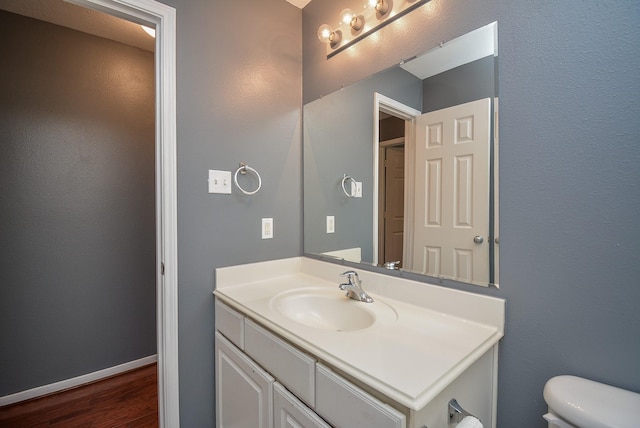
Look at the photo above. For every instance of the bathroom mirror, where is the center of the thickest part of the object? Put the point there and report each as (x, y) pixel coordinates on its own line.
(401, 168)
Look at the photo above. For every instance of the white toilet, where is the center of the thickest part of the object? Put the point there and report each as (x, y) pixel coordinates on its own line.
(575, 402)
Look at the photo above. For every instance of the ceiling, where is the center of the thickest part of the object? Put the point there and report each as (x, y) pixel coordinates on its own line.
(299, 3)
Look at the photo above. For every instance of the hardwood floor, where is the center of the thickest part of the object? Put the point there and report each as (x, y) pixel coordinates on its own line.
(128, 400)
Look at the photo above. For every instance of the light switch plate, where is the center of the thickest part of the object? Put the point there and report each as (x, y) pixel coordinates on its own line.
(331, 224)
(219, 181)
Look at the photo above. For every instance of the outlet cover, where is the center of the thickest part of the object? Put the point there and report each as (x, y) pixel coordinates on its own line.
(267, 228)
(331, 224)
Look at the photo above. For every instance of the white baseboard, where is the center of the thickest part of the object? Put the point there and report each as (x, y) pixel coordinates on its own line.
(76, 381)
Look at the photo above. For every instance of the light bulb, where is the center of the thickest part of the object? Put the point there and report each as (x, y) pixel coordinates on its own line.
(327, 35)
(324, 33)
(370, 3)
(350, 18)
(346, 16)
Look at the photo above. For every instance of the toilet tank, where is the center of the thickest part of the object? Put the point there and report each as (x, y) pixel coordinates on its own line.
(585, 403)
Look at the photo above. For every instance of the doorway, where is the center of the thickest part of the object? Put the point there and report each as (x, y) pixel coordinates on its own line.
(156, 14)
(391, 176)
(393, 148)
(163, 17)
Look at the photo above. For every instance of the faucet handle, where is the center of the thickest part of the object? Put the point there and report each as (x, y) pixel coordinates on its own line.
(392, 265)
(350, 274)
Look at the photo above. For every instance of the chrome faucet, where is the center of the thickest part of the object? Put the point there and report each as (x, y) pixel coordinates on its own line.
(354, 287)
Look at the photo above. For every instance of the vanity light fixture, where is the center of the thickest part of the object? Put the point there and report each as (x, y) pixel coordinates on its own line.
(354, 26)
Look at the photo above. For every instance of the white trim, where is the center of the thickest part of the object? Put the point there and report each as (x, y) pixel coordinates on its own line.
(496, 194)
(76, 381)
(164, 19)
(393, 107)
(409, 192)
(494, 386)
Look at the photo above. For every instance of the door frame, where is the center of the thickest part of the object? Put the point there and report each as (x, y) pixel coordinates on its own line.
(163, 17)
(395, 108)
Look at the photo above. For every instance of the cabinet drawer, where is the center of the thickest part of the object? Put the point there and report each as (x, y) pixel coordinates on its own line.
(291, 367)
(345, 405)
(230, 323)
(288, 411)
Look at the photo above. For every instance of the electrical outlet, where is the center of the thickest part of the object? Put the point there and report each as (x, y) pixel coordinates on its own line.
(331, 224)
(267, 228)
(219, 181)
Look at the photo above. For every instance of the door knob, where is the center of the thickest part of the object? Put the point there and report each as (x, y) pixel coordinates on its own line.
(478, 239)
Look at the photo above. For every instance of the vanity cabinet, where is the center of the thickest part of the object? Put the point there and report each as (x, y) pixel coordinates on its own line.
(394, 363)
(262, 381)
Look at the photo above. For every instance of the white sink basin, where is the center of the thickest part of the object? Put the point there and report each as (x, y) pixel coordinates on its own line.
(330, 309)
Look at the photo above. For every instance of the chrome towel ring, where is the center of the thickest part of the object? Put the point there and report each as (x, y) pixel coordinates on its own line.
(243, 170)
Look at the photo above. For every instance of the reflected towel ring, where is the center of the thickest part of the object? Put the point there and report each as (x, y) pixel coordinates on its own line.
(243, 170)
(344, 179)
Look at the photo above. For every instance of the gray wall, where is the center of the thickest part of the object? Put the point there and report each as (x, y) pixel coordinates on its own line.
(338, 140)
(77, 228)
(239, 95)
(569, 178)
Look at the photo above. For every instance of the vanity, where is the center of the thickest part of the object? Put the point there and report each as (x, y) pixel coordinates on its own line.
(293, 350)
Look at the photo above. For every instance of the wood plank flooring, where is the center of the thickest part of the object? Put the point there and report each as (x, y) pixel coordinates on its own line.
(127, 400)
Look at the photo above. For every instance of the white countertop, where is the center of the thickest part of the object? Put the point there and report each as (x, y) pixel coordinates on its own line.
(438, 333)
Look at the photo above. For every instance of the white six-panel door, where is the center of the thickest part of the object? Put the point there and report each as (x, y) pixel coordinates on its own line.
(451, 222)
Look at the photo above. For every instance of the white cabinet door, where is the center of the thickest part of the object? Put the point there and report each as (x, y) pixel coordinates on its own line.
(244, 392)
(289, 412)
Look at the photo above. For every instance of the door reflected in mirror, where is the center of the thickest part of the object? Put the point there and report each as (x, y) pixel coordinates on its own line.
(421, 140)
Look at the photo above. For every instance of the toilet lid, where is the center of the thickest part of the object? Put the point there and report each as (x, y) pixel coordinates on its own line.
(587, 403)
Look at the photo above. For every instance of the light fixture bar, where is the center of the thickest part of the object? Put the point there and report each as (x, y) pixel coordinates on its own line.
(385, 22)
